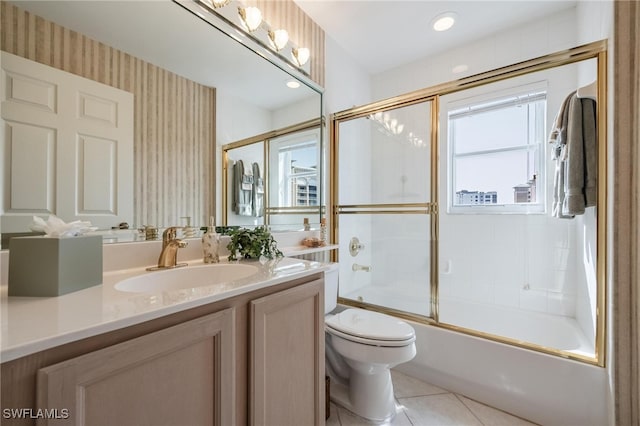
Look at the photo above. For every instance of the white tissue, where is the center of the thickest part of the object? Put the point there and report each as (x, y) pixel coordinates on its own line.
(56, 228)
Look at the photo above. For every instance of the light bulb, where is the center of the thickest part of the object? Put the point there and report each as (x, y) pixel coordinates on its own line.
(278, 39)
(251, 17)
(300, 55)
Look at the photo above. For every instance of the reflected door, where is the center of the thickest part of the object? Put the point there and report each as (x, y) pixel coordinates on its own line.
(69, 147)
(383, 198)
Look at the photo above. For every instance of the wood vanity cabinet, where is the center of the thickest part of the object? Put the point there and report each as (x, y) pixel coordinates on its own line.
(287, 358)
(180, 375)
(257, 358)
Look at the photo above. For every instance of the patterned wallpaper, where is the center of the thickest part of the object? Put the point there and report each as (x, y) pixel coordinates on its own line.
(303, 31)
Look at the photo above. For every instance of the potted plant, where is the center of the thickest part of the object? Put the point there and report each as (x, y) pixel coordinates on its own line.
(252, 244)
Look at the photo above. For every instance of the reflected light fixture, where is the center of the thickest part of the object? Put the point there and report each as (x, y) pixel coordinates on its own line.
(219, 3)
(444, 21)
(251, 17)
(293, 84)
(278, 39)
(300, 55)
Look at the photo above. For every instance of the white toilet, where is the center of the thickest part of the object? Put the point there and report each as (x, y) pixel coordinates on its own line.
(361, 347)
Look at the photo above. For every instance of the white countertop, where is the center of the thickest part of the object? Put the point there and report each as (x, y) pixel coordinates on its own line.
(32, 324)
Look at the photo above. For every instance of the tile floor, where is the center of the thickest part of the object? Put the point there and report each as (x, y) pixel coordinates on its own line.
(423, 404)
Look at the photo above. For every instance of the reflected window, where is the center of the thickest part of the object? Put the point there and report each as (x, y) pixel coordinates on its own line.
(295, 169)
(496, 153)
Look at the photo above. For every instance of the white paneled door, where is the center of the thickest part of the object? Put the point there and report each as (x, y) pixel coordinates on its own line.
(67, 147)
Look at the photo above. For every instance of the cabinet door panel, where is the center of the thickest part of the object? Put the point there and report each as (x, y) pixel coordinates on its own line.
(181, 375)
(287, 357)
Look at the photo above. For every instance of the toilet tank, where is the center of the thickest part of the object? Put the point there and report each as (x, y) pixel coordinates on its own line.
(331, 287)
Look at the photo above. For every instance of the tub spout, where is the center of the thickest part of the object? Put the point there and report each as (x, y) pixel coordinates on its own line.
(357, 267)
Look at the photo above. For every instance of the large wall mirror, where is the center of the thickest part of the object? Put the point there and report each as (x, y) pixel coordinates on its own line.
(482, 204)
(195, 86)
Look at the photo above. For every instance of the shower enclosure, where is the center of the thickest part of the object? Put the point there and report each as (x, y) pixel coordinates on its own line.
(385, 208)
(445, 206)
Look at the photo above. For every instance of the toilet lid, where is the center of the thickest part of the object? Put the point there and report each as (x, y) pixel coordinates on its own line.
(370, 325)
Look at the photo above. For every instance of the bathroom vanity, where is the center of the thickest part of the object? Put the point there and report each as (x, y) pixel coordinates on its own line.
(250, 351)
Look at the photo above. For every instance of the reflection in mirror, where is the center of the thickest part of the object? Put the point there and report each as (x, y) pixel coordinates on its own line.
(182, 72)
(516, 178)
(294, 177)
(281, 173)
(245, 191)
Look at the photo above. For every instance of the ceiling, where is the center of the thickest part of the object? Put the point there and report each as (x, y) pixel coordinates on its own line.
(378, 34)
(384, 34)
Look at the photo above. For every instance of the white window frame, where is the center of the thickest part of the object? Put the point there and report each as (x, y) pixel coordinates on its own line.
(520, 91)
(291, 142)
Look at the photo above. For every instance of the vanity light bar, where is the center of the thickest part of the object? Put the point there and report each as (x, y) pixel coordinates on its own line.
(252, 22)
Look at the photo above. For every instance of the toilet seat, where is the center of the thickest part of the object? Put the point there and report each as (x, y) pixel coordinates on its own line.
(370, 342)
(370, 328)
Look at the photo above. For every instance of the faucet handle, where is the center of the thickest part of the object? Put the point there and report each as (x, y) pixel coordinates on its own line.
(170, 233)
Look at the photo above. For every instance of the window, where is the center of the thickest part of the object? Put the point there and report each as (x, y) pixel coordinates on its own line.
(496, 148)
(294, 171)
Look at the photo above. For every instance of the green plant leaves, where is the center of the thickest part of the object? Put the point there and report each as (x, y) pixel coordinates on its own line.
(252, 243)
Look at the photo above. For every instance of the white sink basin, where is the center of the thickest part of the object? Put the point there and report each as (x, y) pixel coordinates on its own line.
(186, 277)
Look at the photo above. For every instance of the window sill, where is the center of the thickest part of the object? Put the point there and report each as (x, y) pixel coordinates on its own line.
(537, 209)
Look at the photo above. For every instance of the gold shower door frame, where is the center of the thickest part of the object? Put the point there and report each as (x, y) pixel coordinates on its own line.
(596, 50)
(428, 208)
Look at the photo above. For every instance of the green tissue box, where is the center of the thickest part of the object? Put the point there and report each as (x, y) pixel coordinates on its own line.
(45, 267)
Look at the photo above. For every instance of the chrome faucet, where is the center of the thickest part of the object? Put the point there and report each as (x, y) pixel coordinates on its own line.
(169, 255)
(355, 267)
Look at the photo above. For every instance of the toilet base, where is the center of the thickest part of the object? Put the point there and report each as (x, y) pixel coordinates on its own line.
(368, 396)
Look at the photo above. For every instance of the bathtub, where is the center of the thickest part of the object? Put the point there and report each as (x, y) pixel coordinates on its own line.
(543, 388)
(551, 331)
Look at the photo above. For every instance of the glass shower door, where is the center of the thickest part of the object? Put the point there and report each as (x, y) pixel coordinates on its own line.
(383, 193)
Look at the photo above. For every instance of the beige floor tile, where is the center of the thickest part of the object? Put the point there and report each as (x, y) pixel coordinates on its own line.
(405, 386)
(491, 416)
(438, 410)
(422, 404)
(347, 418)
(334, 419)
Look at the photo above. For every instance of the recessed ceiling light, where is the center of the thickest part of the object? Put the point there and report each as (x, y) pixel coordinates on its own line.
(444, 21)
(293, 84)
